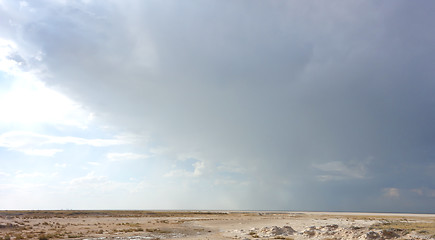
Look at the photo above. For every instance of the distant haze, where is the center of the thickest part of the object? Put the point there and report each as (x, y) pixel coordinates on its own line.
(272, 105)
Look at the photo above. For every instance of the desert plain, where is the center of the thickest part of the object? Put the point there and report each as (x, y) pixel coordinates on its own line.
(102, 225)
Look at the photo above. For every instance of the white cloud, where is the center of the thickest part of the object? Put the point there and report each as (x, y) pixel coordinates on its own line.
(431, 192)
(231, 167)
(84, 141)
(40, 152)
(4, 174)
(94, 184)
(391, 192)
(337, 170)
(225, 182)
(58, 165)
(20, 174)
(26, 187)
(7, 48)
(115, 157)
(94, 163)
(418, 191)
(89, 179)
(90, 184)
(427, 192)
(33, 143)
(29, 101)
(178, 173)
(198, 170)
(23, 4)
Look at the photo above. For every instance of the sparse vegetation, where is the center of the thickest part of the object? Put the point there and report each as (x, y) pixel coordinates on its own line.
(54, 225)
(282, 237)
(425, 228)
(157, 230)
(43, 237)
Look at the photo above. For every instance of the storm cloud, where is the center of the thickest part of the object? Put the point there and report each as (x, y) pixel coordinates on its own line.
(273, 104)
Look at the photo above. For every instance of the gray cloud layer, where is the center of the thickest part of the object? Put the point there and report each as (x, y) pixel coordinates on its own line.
(323, 104)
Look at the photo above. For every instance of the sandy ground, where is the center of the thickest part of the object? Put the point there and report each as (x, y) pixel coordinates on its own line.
(44, 225)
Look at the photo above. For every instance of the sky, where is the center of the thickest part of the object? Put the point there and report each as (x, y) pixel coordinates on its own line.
(218, 104)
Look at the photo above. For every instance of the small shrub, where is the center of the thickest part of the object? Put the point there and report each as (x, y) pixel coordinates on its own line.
(78, 235)
(43, 237)
(254, 235)
(19, 237)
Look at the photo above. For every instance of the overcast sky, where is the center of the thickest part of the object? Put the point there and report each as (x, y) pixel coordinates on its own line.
(218, 104)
